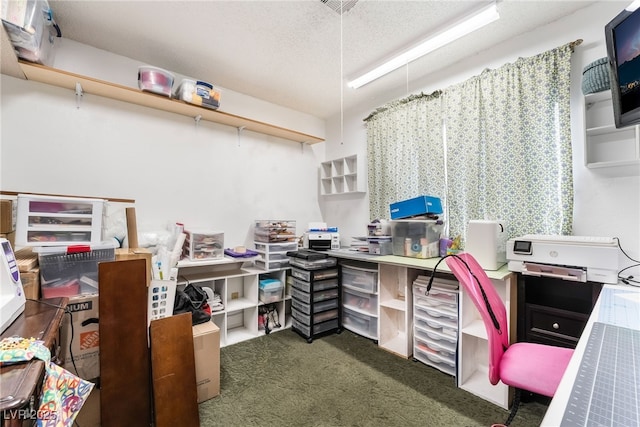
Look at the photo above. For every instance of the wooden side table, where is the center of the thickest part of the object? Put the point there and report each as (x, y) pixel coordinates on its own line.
(21, 383)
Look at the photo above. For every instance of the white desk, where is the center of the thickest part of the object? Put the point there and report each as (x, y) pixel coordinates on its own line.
(618, 306)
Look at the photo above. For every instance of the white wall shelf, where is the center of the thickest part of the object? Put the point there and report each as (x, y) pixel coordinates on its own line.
(608, 150)
(346, 175)
(60, 78)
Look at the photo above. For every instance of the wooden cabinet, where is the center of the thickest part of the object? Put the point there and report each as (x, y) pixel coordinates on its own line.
(555, 310)
(609, 150)
(236, 281)
(343, 175)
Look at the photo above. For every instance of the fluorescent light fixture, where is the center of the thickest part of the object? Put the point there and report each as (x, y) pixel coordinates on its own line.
(461, 28)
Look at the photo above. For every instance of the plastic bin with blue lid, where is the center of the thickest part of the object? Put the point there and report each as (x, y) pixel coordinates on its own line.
(270, 290)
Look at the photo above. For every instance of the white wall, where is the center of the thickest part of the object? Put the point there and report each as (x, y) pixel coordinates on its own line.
(204, 176)
(603, 206)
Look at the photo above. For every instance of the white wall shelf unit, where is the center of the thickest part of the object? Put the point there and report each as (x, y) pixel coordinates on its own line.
(60, 78)
(608, 150)
(236, 281)
(346, 175)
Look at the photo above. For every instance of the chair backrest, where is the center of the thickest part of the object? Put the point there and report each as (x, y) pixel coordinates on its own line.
(464, 266)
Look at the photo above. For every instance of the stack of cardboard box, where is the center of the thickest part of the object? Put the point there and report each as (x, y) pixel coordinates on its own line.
(8, 220)
(29, 272)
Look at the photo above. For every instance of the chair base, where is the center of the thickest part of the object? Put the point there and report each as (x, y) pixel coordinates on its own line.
(514, 407)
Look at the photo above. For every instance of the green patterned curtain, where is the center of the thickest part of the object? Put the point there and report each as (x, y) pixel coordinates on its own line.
(405, 152)
(509, 146)
(498, 148)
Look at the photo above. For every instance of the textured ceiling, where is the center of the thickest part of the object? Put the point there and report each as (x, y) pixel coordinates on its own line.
(296, 53)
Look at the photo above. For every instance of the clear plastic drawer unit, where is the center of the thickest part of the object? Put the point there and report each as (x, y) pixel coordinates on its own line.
(58, 221)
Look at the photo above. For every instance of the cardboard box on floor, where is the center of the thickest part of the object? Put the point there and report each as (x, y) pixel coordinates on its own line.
(206, 345)
(85, 345)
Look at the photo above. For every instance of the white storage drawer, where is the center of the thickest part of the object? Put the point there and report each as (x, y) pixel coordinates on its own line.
(318, 285)
(317, 308)
(360, 278)
(444, 364)
(317, 296)
(441, 348)
(273, 256)
(58, 221)
(276, 247)
(449, 341)
(440, 301)
(431, 329)
(360, 301)
(360, 323)
(433, 325)
(317, 318)
(272, 265)
(436, 313)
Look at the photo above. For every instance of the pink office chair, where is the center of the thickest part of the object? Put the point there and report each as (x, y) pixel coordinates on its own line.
(527, 366)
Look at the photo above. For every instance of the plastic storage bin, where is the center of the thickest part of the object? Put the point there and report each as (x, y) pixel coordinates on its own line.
(360, 301)
(275, 231)
(270, 290)
(416, 238)
(203, 245)
(30, 27)
(318, 285)
(317, 307)
(269, 248)
(314, 275)
(318, 328)
(58, 221)
(198, 93)
(360, 279)
(317, 295)
(72, 270)
(317, 318)
(360, 323)
(380, 245)
(156, 80)
(315, 264)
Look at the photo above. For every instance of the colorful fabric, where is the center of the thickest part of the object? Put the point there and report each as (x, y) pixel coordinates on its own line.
(63, 393)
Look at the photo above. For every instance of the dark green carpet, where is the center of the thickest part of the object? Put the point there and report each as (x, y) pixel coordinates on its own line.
(341, 380)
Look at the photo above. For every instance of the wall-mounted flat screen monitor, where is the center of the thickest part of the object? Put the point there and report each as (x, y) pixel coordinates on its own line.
(622, 35)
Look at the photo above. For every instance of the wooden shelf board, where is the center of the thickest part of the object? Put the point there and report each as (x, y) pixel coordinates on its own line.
(60, 78)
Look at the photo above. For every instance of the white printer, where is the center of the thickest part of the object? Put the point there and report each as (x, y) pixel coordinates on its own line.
(576, 258)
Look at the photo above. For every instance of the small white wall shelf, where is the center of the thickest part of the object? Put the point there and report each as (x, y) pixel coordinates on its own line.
(60, 78)
(343, 175)
(611, 151)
